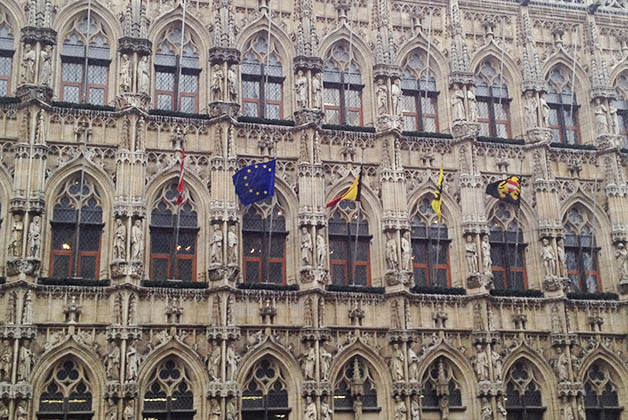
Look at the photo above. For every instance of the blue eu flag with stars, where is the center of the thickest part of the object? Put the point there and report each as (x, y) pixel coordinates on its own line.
(255, 182)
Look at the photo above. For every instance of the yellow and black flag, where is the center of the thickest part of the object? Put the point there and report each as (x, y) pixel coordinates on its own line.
(438, 196)
(507, 189)
(353, 193)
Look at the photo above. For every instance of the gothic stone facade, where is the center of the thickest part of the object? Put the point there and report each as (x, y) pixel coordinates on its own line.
(121, 303)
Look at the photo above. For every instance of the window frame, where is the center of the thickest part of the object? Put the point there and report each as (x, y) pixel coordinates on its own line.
(432, 266)
(349, 239)
(506, 246)
(492, 102)
(265, 259)
(84, 86)
(75, 256)
(417, 96)
(581, 271)
(9, 54)
(561, 111)
(174, 254)
(342, 87)
(176, 94)
(262, 80)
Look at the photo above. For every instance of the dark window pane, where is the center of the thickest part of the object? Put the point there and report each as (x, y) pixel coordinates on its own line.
(338, 274)
(160, 269)
(361, 276)
(61, 266)
(88, 267)
(185, 269)
(252, 269)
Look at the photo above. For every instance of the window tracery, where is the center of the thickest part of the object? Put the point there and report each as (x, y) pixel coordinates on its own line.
(507, 249)
(170, 394)
(581, 251)
(265, 395)
(67, 393)
(7, 49)
(441, 376)
(523, 393)
(355, 381)
(342, 87)
(420, 95)
(493, 100)
(601, 401)
(561, 99)
(262, 79)
(622, 108)
(430, 247)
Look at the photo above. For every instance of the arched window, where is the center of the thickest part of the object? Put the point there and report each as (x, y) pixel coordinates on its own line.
(169, 395)
(441, 375)
(349, 258)
(342, 87)
(7, 50)
(563, 116)
(622, 108)
(67, 393)
(355, 376)
(85, 60)
(176, 73)
(76, 230)
(430, 247)
(507, 249)
(173, 233)
(420, 97)
(601, 401)
(265, 395)
(581, 251)
(523, 394)
(264, 255)
(262, 80)
(493, 101)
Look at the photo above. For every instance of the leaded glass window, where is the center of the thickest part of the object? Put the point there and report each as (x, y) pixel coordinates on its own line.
(601, 401)
(563, 115)
(523, 394)
(262, 80)
(342, 87)
(441, 374)
(85, 62)
(493, 101)
(76, 230)
(507, 249)
(430, 247)
(173, 236)
(177, 71)
(169, 395)
(621, 105)
(355, 374)
(420, 97)
(349, 254)
(265, 395)
(581, 251)
(7, 50)
(67, 393)
(264, 254)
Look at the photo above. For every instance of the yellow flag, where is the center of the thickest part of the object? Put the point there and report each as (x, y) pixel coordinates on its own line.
(438, 196)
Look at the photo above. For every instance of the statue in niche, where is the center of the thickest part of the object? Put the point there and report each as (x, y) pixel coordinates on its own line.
(309, 363)
(143, 76)
(310, 409)
(112, 411)
(232, 410)
(326, 410)
(119, 241)
(481, 364)
(137, 241)
(218, 78)
(613, 119)
(306, 247)
(401, 410)
(45, 66)
(567, 412)
(232, 245)
(300, 88)
(532, 108)
(562, 366)
(26, 363)
(392, 257)
(471, 252)
(232, 84)
(487, 411)
(486, 255)
(413, 365)
(443, 404)
(501, 410)
(397, 363)
(6, 361)
(27, 308)
(548, 257)
(395, 96)
(381, 95)
(215, 249)
(17, 233)
(34, 237)
(132, 363)
(473, 106)
(498, 365)
(316, 92)
(415, 410)
(213, 363)
(545, 110)
(214, 409)
(112, 363)
(321, 250)
(125, 73)
(457, 104)
(601, 117)
(325, 362)
(232, 360)
(561, 261)
(406, 252)
(621, 256)
(128, 412)
(28, 64)
(357, 409)
(20, 412)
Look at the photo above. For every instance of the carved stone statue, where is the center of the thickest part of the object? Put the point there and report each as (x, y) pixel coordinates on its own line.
(486, 255)
(309, 363)
(317, 99)
(6, 361)
(321, 251)
(27, 308)
(132, 363)
(306, 247)
(232, 245)
(545, 111)
(218, 79)
(112, 364)
(310, 409)
(498, 365)
(137, 241)
(457, 104)
(549, 259)
(531, 106)
(232, 84)
(34, 237)
(232, 360)
(613, 119)
(415, 410)
(473, 106)
(45, 66)
(215, 249)
(395, 96)
(392, 255)
(601, 117)
(112, 411)
(562, 366)
(213, 363)
(621, 256)
(143, 76)
(128, 412)
(232, 410)
(413, 365)
(406, 252)
(401, 410)
(4, 411)
(28, 64)
(357, 409)
(471, 252)
(214, 409)
(300, 89)
(326, 411)
(560, 258)
(119, 241)
(125, 73)
(443, 404)
(502, 414)
(487, 411)
(381, 95)
(325, 362)
(567, 412)
(25, 364)
(17, 233)
(481, 364)
(397, 363)
(20, 412)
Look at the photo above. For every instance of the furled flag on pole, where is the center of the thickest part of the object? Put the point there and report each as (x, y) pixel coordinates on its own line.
(507, 189)
(255, 182)
(181, 184)
(353, 193)
(438, 196)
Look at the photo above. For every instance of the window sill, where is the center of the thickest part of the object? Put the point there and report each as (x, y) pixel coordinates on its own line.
(74, 281)
(432, 290)
(355, 289)
(88, 107)
(502, 140)
(343, 127)
(256, 120)
(525, 293)
(166, 113)
(174, 284)
(592, 296)
(268, 286)
(427, 134)
(573, 146)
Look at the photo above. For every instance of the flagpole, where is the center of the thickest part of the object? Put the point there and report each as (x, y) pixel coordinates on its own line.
(434, 269)
(87, 36)
(357, 227)
(518, 212)
(270, 227)
(176, 243)
(178, 99)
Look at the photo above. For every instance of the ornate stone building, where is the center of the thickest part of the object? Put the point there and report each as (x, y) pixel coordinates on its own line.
(120, 303)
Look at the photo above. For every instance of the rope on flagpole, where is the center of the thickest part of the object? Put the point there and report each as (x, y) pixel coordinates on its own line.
(573, 74)
(178, 224)
(517, 213)
(181, 56)
(77, 240)
(427, 66)
(440, 197)
(501, 64)
(87, 40)
(357, 225)
(270, 227)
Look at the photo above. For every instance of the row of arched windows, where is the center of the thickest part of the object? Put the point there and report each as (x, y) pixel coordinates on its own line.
(86, 74)
(170, 394)
(77, 225)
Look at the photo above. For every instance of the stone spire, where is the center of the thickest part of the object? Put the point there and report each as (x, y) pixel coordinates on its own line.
(307, 40)
(532, 78)
(225, 29)
(134, 21)
(384, 46)
(600, 79)
(460, 60)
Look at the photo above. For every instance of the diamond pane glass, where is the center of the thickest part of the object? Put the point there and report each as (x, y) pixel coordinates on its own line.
(409, 123)
(160, 269)
(572, 137)
(499, 279)
(164, 80)
(276, 272)
(339, 274)
(429, 125)
(189, 83)
(273, 91)
(185, 269)
(353, 118)
(501, 111)
(4, 87)
(361, 277)
(483, 109)
(332, 116)
(97, 96)
(408, 103)
(97, 74)
(89, 237)
(338, 249)
(71, 93)
(188, 104)
(353, 99)
(251, 109)
(164, 102)
(160, 241)
(88, 267)
(72, 72)
(61, 266)
(485, 129)
(331, 96)
(502, 130)
(363, 250)
(273, 111)
(252, 270)
(250, 89)
(5, 66)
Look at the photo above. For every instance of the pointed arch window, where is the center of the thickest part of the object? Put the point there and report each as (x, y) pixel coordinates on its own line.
(265, 395)
(523, 394)
(169, 395)
(507, 249)
(430, 247)
(581, 251)
(355, 380)
(440, 386)
(85, 62)
(493, 101)
(76, 230)
(622, 109)
(177, 72)
(420, 97)
(173, 237)
(601, 401)
(264, 255)
(7, 49)
(349, 259)
(67, 393)
(563, 115)
(342, 88)
(262, 80)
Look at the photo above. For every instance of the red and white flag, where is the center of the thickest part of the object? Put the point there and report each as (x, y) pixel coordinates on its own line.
(181, 185)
